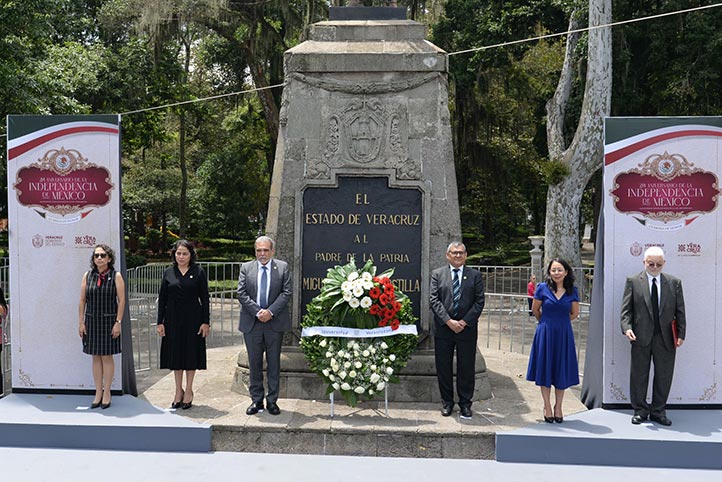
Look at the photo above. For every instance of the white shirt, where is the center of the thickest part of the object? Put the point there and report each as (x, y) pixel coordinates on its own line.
(659, 287)
(268, 281)
(461, 273)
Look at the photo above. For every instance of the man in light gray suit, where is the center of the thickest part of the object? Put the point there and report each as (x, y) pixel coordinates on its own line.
(264, 289)
(651, 302)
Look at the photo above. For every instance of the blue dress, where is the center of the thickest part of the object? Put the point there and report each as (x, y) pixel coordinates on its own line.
(553, 357)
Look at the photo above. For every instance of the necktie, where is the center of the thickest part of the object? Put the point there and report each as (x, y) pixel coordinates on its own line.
(655, 302)
(264, 289)
(456, 286)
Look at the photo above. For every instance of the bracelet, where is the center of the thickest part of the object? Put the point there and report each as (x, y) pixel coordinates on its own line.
(117, 321)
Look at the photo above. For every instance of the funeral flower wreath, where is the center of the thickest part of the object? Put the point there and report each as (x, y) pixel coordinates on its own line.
(357, 301)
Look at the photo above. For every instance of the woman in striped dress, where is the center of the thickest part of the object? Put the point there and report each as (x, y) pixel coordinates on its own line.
(102, 302)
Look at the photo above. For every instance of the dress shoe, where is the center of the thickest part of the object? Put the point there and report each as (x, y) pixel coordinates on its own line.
(273, 408)
(661, 419)
(447, 409)
(189, 403)
(637, 419)
(105, 405)
(95, 404)
(465, 412)
(254, 408)
(179, 403)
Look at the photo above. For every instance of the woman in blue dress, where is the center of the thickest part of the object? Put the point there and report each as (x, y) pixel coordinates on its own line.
(553, 357)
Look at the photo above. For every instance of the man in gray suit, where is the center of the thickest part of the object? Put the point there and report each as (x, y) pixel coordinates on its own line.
(457, 298)
(651, 302)
(264, 289)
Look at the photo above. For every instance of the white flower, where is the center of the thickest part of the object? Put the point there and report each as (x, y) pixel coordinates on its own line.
(345, 386)
(367, 285)
(342, 374)
(356, 353)
(347, 355)
(371, 392)
(332, 378)
(352, 374)
(341, 353)
(346, 286)
(389, 370)
(358, 364)
(325, 372)
(392, 357)
(358, 291)
(385, 360)
(380, 386)
(352, 275)
(354, 303)
(366, 276)
(359, 389)
(384, 345)
(329, 354)
(373, 367)
(375, 377)
(372, 350)
(366, 353)
(347, 364)
(366, 302)
(347, 296)
(335, 386)
(322, 343)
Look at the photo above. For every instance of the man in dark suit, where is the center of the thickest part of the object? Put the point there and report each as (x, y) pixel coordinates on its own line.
(651, 302)
(457, 298)
(264, 289)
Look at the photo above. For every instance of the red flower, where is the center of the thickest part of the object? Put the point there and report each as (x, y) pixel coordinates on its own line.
(376, 279)
(388, 314)
(395, 324)
(384, 299)
(374, 292)
(396, 305)
(375, 309)
(383, 323)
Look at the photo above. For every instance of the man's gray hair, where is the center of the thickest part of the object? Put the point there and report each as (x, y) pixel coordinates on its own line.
(266, 239)
(654, 251)
(454, 244)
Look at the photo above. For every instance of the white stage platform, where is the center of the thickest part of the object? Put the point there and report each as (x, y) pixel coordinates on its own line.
(66, 421)
(607, 437)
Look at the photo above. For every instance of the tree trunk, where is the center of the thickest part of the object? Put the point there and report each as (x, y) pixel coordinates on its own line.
(182, 208)
(585, 153)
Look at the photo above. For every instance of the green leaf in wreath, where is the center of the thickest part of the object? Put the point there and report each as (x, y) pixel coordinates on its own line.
(387, 274)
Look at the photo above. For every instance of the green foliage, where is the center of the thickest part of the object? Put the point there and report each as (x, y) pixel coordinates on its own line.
(555, 171)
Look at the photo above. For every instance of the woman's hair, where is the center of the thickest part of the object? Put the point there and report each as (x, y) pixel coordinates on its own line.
(568, 279)
(4, 304)
(186, 244)
(107, 249)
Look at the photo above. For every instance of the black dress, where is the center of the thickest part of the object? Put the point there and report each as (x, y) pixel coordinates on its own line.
(183, 305)
(101, 310)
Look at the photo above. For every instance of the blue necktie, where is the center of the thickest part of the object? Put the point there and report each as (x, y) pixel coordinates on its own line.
(456, 285)
(264, 289)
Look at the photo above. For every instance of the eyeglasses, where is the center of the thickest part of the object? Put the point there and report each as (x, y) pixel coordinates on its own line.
(100, 255)
(655, 265)
(457, 253)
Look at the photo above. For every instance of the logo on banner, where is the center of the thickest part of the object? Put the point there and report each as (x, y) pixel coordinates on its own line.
(666, 190)
(37, 241)
(63, 187)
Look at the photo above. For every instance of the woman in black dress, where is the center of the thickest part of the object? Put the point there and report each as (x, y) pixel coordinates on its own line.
(102, 302)
(183, 320)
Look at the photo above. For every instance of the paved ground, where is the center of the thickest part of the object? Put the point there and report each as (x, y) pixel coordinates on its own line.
(515, 403)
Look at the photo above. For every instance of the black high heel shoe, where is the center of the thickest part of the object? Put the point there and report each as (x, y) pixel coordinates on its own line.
(94, 405)
(189, 404)
(548, 419)
(558, 419)
(179, 403)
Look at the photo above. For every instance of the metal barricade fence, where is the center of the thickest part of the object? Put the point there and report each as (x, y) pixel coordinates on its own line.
(505, 323)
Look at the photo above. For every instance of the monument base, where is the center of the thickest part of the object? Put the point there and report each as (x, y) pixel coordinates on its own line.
(418, 379)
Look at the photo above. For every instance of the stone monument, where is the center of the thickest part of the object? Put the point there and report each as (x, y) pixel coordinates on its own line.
(364, 168)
